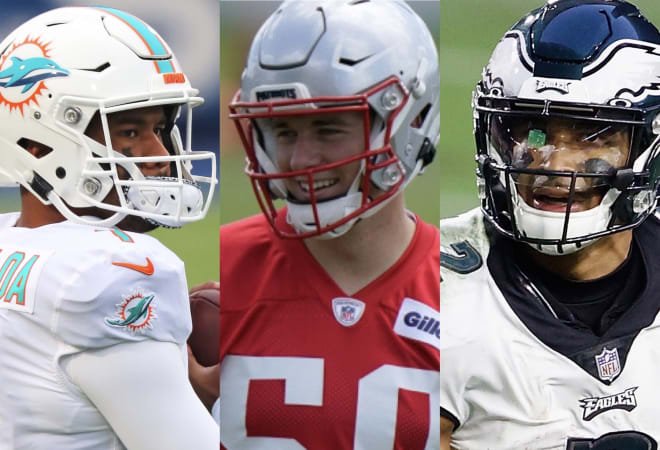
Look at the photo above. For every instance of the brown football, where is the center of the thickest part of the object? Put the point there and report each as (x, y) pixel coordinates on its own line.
(205, 337)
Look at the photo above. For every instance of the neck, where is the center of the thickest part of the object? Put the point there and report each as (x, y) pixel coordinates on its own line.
(595, 261)
(35, 214)
(368, 249)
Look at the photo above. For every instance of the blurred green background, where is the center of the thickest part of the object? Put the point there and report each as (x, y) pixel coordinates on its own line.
(469, 31)
(239, 22)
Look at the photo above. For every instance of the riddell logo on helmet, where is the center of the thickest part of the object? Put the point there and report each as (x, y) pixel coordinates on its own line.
(23, 71)
(276, 93)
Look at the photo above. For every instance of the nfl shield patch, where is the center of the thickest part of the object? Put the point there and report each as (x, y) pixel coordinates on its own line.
(608, 364)
(347, 311)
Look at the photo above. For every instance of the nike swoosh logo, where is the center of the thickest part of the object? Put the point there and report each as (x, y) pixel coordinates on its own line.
(147, 269)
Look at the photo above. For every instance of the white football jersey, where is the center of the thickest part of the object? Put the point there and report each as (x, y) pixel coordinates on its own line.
(506, 388)
(66, 288)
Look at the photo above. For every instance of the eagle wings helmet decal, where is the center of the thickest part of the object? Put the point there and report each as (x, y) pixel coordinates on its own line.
(609, 84)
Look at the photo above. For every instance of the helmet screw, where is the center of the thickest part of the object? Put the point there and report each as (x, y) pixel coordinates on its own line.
(37, 115)
(72, 115)
(656, 125)
(391, 175)
(91, 186)
(481, 188)
(391, 98)
(642, 201)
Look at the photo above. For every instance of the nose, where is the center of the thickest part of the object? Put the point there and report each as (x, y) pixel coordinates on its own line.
(565, 158)
(154, 147)
(305, 153)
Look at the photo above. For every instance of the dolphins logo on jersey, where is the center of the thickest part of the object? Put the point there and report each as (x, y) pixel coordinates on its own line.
(134, 313)
(23, 71)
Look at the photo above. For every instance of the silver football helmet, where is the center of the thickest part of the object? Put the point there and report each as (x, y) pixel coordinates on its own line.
(325, 57)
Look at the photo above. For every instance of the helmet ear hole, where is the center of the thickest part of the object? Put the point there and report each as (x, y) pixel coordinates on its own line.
(418, 121)
(36, 149)
(94, 129)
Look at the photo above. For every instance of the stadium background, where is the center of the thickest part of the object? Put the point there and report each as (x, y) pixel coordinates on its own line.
(191, 30)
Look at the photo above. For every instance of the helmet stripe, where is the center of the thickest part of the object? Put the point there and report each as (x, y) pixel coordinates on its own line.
(150, 39)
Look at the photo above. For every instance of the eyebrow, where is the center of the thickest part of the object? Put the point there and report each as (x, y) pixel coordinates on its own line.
(133, 119)
(315, 123)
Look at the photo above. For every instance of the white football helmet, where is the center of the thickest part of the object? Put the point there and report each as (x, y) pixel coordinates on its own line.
(328, 56)
(60, 69)
(567, 124)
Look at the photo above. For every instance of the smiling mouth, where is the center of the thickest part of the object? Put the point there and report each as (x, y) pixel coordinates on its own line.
(556, 200)
(318, 186)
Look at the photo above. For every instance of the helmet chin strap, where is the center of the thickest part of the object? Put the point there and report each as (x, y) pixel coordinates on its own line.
(169, 203)
(301, 216)
(536, 223)
(64, 209)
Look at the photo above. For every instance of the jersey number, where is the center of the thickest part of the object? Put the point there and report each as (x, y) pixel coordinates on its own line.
(303, 385)
(630, 440)
(466, 260)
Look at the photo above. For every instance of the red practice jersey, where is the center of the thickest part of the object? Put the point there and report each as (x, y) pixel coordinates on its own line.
(305, 366)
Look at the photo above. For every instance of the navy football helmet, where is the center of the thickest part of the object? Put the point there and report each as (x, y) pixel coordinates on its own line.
(567, 125)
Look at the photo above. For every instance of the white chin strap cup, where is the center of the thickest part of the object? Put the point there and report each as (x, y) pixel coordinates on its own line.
(167, 206)
(301, 216)
(539, 224)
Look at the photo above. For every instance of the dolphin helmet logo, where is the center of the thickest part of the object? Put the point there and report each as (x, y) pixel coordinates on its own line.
(23, 71)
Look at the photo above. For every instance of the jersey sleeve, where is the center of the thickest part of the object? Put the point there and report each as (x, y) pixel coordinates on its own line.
(148, 400)
(464, 249)
(455, 361)
(119, 291)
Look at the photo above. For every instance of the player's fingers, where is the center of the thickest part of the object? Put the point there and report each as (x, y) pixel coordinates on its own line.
(192, 361)
(211, 284)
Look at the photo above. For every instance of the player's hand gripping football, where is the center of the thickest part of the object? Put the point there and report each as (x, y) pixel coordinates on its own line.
(204, 342)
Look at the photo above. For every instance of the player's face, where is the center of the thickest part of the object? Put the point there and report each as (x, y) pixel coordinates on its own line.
(306, 142)
(570, 146)
(137, 132)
